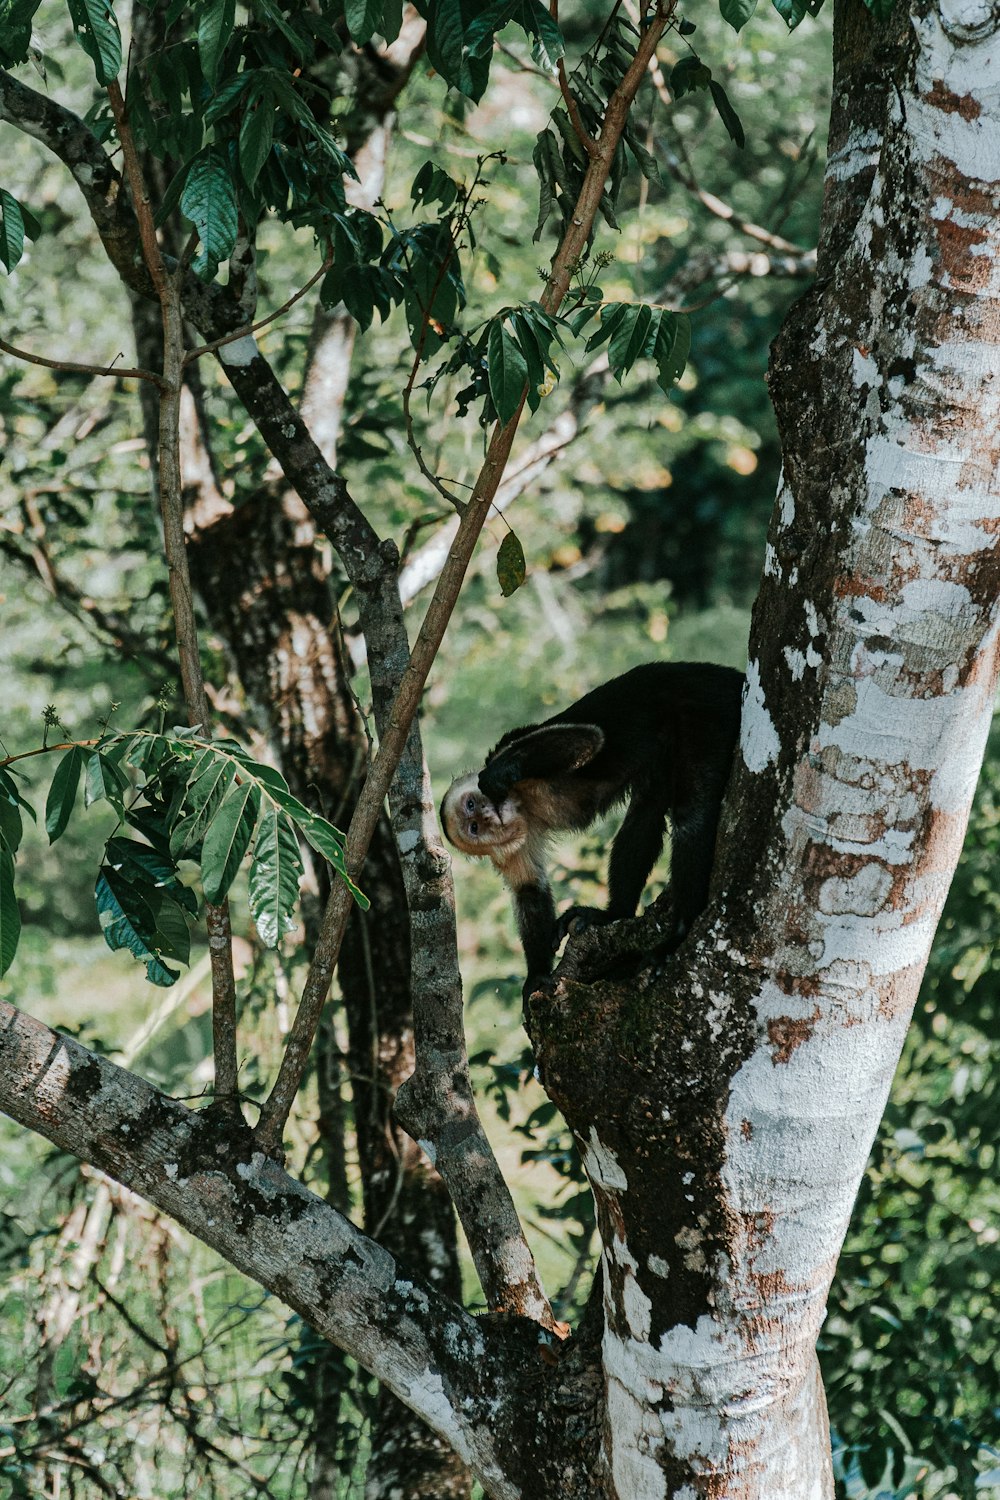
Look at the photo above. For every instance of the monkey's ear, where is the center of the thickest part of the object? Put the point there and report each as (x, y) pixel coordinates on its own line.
(553, 750)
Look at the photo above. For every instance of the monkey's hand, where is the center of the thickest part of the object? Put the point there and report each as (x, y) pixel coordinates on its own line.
(578, 919)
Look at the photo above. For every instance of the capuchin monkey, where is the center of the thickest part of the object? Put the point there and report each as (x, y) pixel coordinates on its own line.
(661, 737)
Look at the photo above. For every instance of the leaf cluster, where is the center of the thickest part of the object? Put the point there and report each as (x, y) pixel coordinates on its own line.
(188, 800)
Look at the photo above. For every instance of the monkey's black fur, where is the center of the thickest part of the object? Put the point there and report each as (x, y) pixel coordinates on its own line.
(661, 736)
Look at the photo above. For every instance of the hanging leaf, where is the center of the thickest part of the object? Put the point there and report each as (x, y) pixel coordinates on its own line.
(104, 781)
(144, 866)
(62, 793)
(215, 27)
(228, 839)
(11, 230)
(256, 138)
(97, 32)
(209, 201)
(275, 871)
(10, 917)
(511, 569)
(362, 17)
(727, 114)
(508, 371)
(126, 918)
(737, 12)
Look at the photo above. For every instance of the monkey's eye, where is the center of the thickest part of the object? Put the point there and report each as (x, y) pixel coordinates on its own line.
(474, 828)
(470, 804)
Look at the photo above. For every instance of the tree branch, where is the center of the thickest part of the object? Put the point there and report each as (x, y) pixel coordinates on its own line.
(442, 1363)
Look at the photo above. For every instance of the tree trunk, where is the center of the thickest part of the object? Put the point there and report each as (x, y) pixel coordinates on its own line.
(726, 1113)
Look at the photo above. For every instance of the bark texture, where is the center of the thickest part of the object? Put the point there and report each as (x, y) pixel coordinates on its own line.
(728, 1118)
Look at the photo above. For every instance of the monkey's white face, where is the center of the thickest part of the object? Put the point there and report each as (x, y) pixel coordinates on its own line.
(476, 827)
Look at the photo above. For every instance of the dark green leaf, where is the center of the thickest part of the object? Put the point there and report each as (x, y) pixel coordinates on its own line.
(11, 230)
(10, 917)
(689, 74)
(508, 371)
(104, 781)
(158, 973)
(727, 113)
(227, 839)
(362, 17)
(256, 138)
(16, 17)
(145, 866)
(126, 918)
(274, 876)
(549, 45)
(392, 20)
(172, 936)
(11, 827)
(629, 340)
(62, 793)
(737, 12)
(209, 201)
(97, 32)
(215, 27)
(511, 570)
(671, 348)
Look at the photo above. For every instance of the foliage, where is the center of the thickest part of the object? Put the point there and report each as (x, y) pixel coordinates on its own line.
(194, 800)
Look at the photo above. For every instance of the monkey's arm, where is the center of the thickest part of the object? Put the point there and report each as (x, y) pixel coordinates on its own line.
(538, 754)
(633, 854)
(536, 923)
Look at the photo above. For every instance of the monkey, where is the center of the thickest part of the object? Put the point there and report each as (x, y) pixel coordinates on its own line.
(661, 736)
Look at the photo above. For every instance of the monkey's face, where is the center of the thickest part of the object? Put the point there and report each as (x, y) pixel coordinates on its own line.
(475, 826)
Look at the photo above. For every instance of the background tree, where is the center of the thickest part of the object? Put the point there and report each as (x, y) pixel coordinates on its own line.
(273, 618)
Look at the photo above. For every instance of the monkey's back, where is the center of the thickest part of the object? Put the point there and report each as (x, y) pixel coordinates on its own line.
(670, 725)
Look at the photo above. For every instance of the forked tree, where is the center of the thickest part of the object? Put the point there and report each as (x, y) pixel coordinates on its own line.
(724, 1099)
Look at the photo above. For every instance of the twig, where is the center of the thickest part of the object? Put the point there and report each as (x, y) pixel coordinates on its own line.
(250, 329)
(70, 367)
(181, 596)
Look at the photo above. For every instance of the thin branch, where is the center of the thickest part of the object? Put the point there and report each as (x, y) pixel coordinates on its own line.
(250, 329)
(169, 478)
(278, 1105)
(70, 367)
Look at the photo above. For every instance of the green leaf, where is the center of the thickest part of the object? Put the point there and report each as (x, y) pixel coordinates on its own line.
(671, 348)
(689, 74)
(62, 793)
(256, 138)
(16, 17)
(10, 917)
(511, 569)
(97, 32)
(145, 866)
(227, 839)
(209, 201)
(11, 827)
(215, 27)
(11, 230)
(104, 781)
(362, 17)
(208, 784)
(737, 12)
(126, 918)
(727, 114)
(629, 340)
(549, 45)
(172, 937)
(274, 876)
(392, 20)
(507, 369)
(158, 973)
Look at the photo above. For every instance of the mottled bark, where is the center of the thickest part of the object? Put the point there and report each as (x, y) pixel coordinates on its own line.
(726, 1106)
